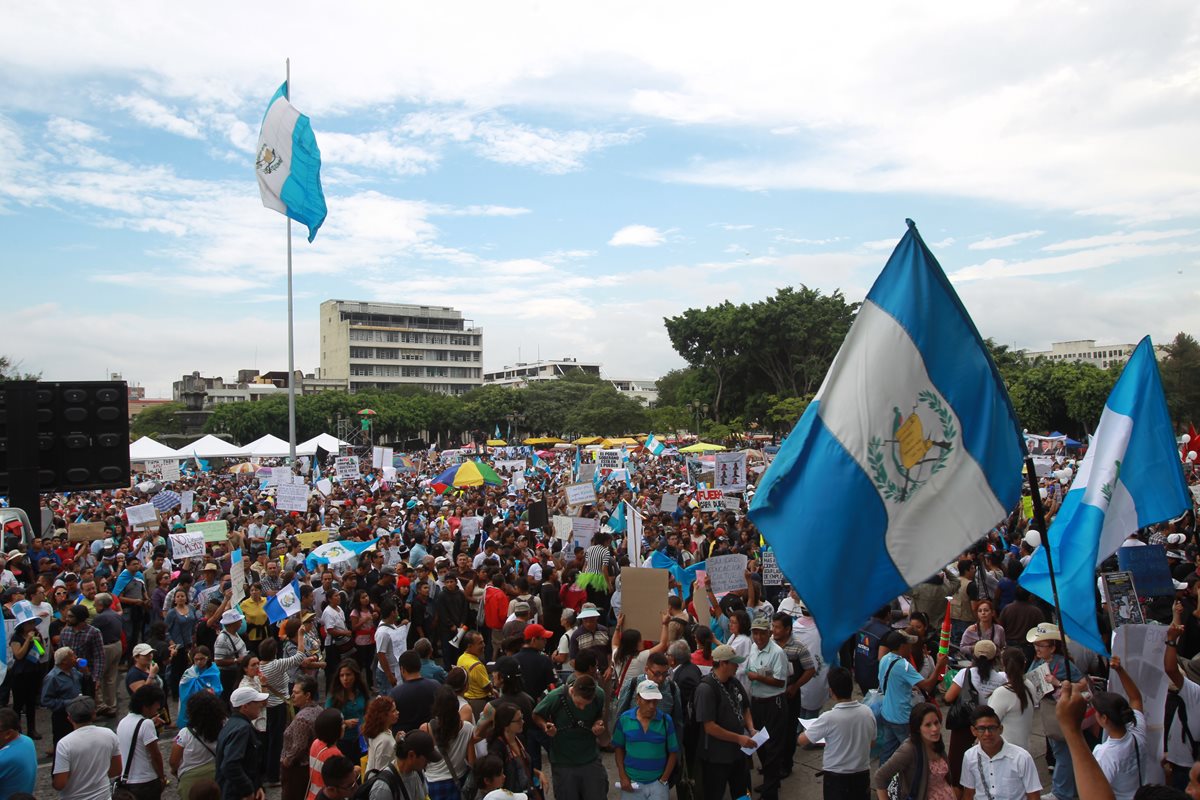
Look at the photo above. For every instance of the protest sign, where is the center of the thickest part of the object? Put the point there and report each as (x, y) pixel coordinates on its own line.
(312, 539)
(562, 527)
(1120, 593)
(469, 529)
(1151, 574)
(325, 486)
(619, 476)
(170, 471)
(237, 576)
(187, 499)
(1042, 465)
(292, 497)
(583, 530)
(730, 471)
(187, 545)
(771, 574)
(85, 531)
(215, 531)
(726, 573)
(346, 468)
(700, 599)
(669, 503)
(586, 472)
(518, 481)
(145, 514)
(643, 599)
(609, 459)
(579, 494)
(731, 503)
(1141, 649)
(710, 499)
(511, 465)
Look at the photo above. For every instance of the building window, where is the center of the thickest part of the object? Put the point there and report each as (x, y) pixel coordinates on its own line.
(360, 370)
(388, 353)
(362, 352)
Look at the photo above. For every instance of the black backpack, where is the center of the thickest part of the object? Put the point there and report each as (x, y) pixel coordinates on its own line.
(389, 776)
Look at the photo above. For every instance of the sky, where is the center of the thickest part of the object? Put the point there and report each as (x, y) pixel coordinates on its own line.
(567, 174)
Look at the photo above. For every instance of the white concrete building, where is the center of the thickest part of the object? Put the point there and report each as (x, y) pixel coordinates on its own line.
(1087, 351)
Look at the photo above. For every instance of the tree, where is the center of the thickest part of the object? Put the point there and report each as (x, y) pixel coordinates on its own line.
(1180, 370)
(784, 412)
(706, 338)
(607, 412)
(157, 420)
(11, 371)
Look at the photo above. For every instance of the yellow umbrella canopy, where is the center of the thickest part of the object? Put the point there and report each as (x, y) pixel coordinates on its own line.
(586, 440)
(496, 443)
(701, 447)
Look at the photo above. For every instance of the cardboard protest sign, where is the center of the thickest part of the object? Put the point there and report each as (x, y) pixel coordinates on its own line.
(346, 468)
(730, 471)
(731, 503)
(293, 497)
(325, 486)
(539, 514)
(710, 499)
(583, 530)
(772, 575)
(1120, 593)
(310, 540)
(586, 472)
(215, 531)
(145, 514)
(726, 573)
(700, 599)
(579, 494)
(187, 545)
(562, 527)
(609, 459)
(85, 531)
(1149, 566)
(669, 503)
(643, 599)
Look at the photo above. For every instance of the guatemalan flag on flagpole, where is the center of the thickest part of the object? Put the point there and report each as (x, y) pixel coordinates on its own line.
(289, 164)
(911, 444)
(654, 446)
(285, 603)
(1130, 478)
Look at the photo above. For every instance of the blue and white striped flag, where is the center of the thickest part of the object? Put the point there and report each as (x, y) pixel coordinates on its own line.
(337, 552)
(288, 164)
(165, 500)
(538, 463)
(285, 603)
(911, 444)
(1130, 478)
(654, 446)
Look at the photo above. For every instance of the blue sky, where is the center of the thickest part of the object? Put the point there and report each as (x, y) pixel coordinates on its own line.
(569, 176)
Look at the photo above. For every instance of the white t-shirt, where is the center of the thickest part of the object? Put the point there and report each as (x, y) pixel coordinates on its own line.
(505, 794)
(86, 753)
(135, 756)
(1018, 724)
(985, 688)
(333, 618)
(1118, 758)
(392, 641)
(1179, 751)
(196, 751)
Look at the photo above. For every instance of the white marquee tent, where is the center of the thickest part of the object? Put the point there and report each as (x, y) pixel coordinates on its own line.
(330, 443)
(146, 449)
(269, 446)
(211, 447)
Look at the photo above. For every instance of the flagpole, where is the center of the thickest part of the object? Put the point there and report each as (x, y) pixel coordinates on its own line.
(291, 333)
(1039, 518)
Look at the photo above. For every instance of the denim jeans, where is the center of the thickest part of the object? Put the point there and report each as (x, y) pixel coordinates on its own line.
(891, 736)
(654, 790)
(1063, 779)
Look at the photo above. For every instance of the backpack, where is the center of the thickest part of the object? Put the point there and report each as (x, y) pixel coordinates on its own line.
(1177, 708)
(389, 777)
(866, 654)
(495, 612)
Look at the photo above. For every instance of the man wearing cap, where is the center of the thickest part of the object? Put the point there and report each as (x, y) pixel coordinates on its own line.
(591, 635)
(767, 673)
(897, 678)
(573, 718)
(537, 671)
(515, 624)
(239, 755)
(646, 746)
(414, 753)
(723, 709)
(228, 651)
(88, 758)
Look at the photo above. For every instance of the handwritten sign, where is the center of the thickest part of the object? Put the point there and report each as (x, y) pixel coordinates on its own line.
(669, 503)
(325, 486)
(562, 527)
(609, 459)
(346, 468)
(215, 531)
(586, 471)
(145, 514)
(313, 539)
(579, 494)
(187, 499)
(292, 497)
(710, 499)
(583, 530)
(85, 531)
(469, 529)
(726, 573)
(170, 470)
(731, 503)
(187, 545)
(237, 576)
(772, 575)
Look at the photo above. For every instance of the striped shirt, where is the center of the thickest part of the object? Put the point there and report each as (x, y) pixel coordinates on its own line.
(646, 751)
(596, 558)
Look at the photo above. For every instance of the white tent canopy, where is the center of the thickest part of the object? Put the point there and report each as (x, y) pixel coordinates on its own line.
(146, 449)
(211, 447)
(269, 446)
(327, 442)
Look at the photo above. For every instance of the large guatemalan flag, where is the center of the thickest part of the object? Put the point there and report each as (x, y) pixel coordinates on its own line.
(1130, 478)
(909, 452)
(289, 164)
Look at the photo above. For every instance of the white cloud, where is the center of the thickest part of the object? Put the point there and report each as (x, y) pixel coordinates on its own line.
(997, 242)
(1120, 237)
(948, 241)
(73, 129)
(1071, 262)
(374, 151)
(728, 226)
(149, 111)
(800, 240)
(637, 236)
(881, 244)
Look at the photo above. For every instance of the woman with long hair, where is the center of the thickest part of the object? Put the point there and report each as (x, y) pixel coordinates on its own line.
(29, 657)
(194, 751)
(572, 595)
(377, 732)
(1013, 702)
(702, 655)
(984, 679)
(504, 740)
(181, 634)
(456, 679)
(985, 629)
(202, 676)
(1123, 755)
(327, 730)
(453, 738)
(364, 617)
(920, 764)
(349, 695)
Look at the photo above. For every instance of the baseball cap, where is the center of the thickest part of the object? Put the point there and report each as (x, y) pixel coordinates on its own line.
(536, 631)
(244, 694)
(143, 649)
(1033, 538)
(420, 743)
(648, 690)
(508, 666)
(726, 653)
(760, 624)
(985, 648)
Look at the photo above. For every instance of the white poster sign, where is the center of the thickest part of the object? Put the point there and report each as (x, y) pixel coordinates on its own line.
(511, 465)
(187, 545)
(772, 576)
(346, 468)
(731, 502)
(170, 471)
(279, 475)
(609, 459)
(583, 530)
(187, 499)
(325, 486)
(469, 529)
(1141, 649)
(579, 494)
(292, 497)
(586, 471)
(669, 503)
(726, 573)
(145, 514)
(730, 472)
(710, 499)
(237, 576)
(562, 527)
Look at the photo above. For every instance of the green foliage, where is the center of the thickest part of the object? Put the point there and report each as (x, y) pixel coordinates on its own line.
(606, 412)
(784, 412)
(1180, 370)
(669, 419)
(156, 420)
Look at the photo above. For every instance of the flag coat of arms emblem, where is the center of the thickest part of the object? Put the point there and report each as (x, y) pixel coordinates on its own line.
(911, 446)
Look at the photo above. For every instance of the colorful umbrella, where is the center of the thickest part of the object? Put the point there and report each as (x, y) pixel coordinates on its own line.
(241, 469)
(366, 412)
(472, 473)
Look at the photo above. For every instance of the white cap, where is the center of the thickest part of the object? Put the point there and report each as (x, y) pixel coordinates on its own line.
(648, 690)
(143, 649)
(244, 694)
(231, 616)
(1176, 538)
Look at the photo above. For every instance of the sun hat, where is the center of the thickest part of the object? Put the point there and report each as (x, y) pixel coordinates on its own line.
(726, 653)
(1043, 632)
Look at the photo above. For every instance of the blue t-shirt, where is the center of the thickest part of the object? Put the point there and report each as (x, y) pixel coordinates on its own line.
(897, 700)
(18, 767)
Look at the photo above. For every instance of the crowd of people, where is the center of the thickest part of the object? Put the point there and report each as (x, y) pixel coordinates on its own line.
(493, 659)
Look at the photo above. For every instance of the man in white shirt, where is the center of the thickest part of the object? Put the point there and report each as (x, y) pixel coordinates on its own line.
(848, 730)
(141, 759)
(88, 759)
(390, 641)
(996, 769)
